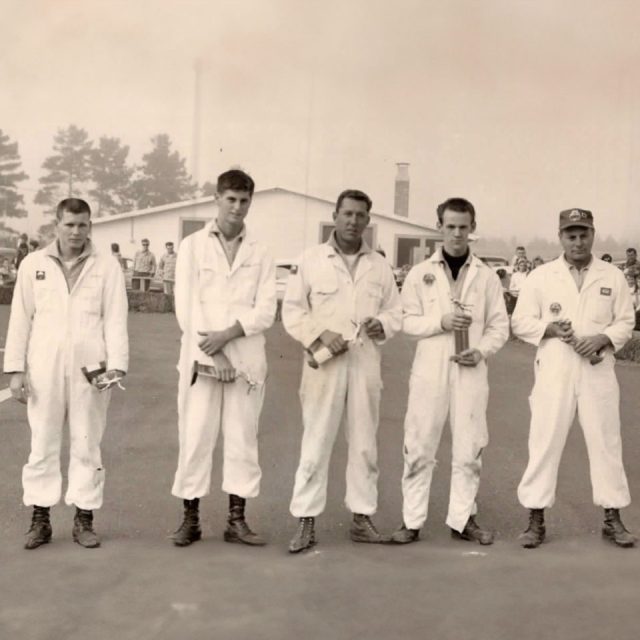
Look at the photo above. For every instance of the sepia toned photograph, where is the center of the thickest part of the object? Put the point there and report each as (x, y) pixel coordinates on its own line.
(319, 319)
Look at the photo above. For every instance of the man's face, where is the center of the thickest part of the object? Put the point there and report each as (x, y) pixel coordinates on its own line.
(577, 243)
(456, 227)
(632, 255)
(169, 248)
(145, 246)
(73, 230)
(521, 253)
(351, 220)
(233, 207)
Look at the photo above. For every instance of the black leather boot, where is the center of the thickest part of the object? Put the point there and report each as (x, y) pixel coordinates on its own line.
(614, 530)
(305, 537)
(40, 531)
(237, 528)
(473, 532)
(83, 532)
(189, 531)
(363, 530)
(534, 535)
(403, 535)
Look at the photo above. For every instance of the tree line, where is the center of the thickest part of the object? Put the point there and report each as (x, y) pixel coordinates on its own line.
(98, 170)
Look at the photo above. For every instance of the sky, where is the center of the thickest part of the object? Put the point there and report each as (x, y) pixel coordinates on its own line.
(525, 108)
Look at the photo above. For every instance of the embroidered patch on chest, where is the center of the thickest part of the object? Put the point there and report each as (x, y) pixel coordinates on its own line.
(40, 275)
(605, 291)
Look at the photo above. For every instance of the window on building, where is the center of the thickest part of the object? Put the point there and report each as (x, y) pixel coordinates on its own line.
(190, 225)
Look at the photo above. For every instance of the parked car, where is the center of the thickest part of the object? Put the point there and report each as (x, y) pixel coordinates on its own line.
(156, 283)
(283, 269)
(7, 270)
(497, 262)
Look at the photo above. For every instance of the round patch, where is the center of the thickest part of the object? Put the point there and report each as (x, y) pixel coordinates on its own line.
(555, 308)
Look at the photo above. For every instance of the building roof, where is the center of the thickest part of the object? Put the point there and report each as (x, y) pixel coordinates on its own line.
(188, 203)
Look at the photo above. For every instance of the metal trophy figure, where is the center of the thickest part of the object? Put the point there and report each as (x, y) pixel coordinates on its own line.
(555, 309)
(461, 336)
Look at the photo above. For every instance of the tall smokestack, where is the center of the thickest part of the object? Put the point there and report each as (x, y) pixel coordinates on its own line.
(401, 198)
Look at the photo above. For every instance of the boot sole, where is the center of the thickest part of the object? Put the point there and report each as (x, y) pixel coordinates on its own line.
(381, 540)
(32, 547)
(456, 535)
(623, 545)
(232, 537)
(306, 548)
(186, 543)
(86, 546)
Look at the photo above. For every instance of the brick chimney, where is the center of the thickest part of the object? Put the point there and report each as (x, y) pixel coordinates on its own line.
(401, 197)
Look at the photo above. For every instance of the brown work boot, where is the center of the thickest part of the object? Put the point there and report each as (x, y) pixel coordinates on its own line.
(473, 532)
(237, 528)
(535, 533)
(363, 530)
(83, 532)
(305, 537)
(403, 535)
(189, 531)
(614, 530)
(40, 531)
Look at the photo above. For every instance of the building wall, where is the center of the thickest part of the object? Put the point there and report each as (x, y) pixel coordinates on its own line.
(287, 222)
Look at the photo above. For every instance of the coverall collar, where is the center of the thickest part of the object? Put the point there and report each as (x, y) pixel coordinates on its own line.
(466, 275)
(53, 250)
(364, 250)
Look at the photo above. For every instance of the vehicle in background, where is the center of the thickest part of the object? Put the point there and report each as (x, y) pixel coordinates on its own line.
(497, 262)
(7, 268)
(156, 283)
(283, 270)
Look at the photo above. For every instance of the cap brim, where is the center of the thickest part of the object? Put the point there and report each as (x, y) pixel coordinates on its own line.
(584, 225)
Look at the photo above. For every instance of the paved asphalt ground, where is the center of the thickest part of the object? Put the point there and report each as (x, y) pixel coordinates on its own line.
(138, 586)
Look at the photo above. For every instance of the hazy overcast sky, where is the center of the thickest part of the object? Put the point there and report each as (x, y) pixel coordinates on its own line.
(523, 107)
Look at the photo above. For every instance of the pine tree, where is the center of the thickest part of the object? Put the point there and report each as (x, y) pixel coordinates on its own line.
(69, 168)
(208, 189)
(11, 202)
(111, 177)
(163, 177)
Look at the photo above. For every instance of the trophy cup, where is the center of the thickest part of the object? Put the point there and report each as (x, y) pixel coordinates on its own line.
(555, 309)
(461, 336)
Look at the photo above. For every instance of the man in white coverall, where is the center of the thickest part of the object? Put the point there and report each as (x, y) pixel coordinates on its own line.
(445, 383)
(225, 299)
(69, 313)
(577, 310)
(340, 290)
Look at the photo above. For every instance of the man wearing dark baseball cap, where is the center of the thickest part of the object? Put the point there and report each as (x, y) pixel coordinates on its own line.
(578, 311)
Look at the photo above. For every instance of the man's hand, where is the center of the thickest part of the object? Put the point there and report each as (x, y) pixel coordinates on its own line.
(224, 368)
(559, 330)
(333, 341)
(214, 341)
(453, 321)
(373, 328)
(589, 345)
(468, 358)
(19, 386)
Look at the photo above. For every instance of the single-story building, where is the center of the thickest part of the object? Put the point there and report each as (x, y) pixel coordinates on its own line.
(287, 221)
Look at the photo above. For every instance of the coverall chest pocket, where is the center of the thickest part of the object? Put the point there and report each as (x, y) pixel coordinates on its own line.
(209, 282)
(324, 288)
(599, 309)
(44, 297)
(90, 299)
(245, 282)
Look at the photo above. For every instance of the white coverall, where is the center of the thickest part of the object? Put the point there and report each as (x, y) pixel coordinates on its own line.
(53, 333)
(211, 296)
(439, 387)
(565, 381)
(321, 296)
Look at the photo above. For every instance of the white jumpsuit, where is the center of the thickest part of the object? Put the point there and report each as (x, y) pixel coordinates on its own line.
(439, 387)
(211, 296)
(321, 296)
(565, 381)
(53, 333)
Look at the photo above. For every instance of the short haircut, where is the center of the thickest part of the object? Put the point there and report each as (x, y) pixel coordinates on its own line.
(606, 256)
(144, 241)
(115, 246)
(520, 249)
(354, 194)
(235, 180)
(72, 205)
(34, 243)
(168, 244)
(456, 204)
(631, 250)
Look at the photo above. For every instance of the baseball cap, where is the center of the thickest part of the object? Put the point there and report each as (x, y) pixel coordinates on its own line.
(576, 218)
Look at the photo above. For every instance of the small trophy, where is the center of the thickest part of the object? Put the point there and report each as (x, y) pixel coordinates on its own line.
(555, 309)
(461, 336)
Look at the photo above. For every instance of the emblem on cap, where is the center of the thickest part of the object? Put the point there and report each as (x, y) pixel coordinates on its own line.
(428, 278)
(555, 308)
(575, 215)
